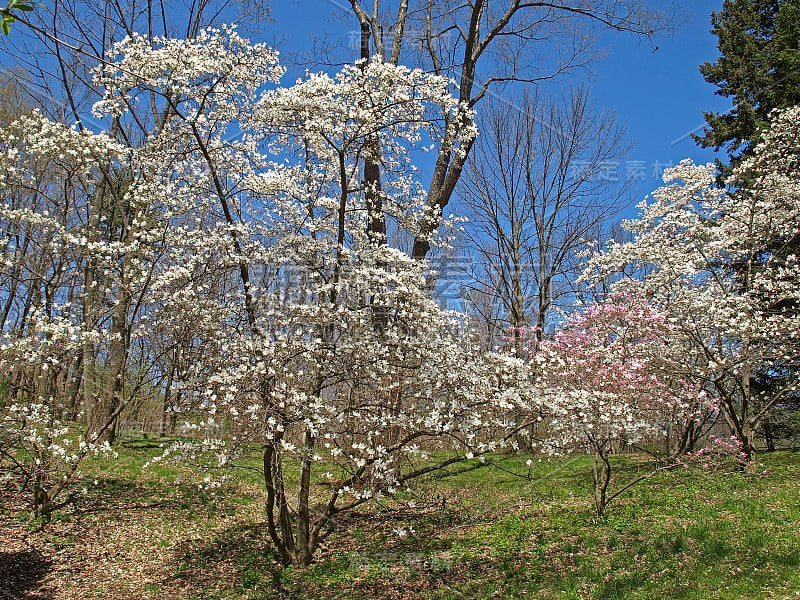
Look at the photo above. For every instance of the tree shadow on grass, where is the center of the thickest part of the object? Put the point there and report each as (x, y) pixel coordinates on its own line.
(238, 559)
(241, 562)
(20, 575)
(117, 496)
(391, 552)
(111, 496)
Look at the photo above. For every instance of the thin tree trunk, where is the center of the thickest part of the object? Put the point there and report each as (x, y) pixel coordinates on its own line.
(162, 428)
(304, 549)
(602, 477)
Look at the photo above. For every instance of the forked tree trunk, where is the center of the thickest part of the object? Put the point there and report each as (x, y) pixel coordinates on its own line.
(602, 477)
(295, 533)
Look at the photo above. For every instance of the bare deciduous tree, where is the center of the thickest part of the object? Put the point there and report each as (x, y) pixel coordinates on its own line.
(539, 183)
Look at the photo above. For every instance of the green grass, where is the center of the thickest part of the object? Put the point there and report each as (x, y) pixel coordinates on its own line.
(478, 533)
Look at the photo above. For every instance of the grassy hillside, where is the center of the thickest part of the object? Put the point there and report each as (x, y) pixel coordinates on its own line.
(495, 531)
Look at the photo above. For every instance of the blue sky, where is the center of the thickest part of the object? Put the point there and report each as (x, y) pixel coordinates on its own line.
(658, 96)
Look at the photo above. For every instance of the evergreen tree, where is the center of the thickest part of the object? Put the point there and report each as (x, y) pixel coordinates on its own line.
(759, 44)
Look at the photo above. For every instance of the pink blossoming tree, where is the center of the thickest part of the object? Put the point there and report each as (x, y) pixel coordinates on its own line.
(611, 377)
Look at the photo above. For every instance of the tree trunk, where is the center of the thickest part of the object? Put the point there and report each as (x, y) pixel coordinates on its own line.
(602, 477)
(376, 223)
(162, 427)
(118, 357)
(769, 438)
(304, 551)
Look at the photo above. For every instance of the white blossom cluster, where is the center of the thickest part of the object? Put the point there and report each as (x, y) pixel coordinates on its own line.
(215, 60)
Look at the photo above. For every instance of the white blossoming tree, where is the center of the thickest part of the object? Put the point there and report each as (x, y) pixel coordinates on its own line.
(320, 344)
(48, 178)
(723, 266)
